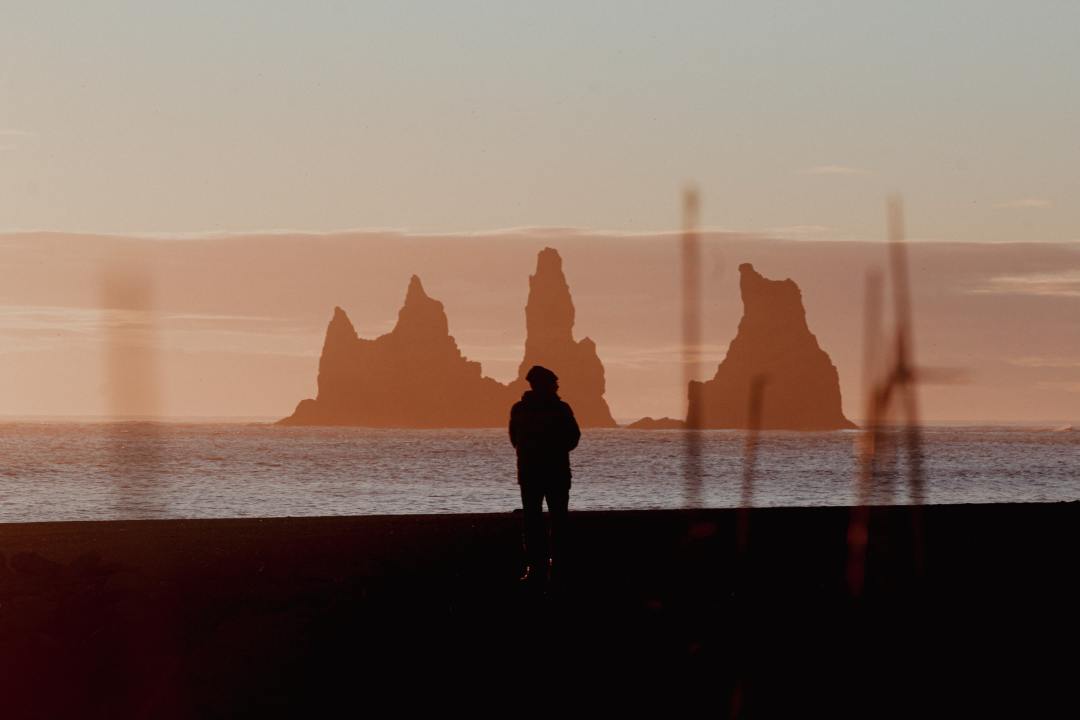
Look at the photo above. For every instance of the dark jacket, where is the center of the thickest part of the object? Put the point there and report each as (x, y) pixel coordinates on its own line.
(544, 431)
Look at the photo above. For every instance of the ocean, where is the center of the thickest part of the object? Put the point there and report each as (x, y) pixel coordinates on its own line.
(104, 471)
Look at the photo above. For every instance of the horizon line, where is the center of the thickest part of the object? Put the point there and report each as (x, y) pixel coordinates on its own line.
(523, 231)
(622, 422)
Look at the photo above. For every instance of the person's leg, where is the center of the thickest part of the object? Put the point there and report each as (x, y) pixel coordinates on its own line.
(558, 500)
(534, 535)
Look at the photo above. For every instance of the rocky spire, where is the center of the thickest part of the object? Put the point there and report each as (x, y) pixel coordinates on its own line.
(413, 376)
(549, 341)
(549, 312)
(774, 348)
(340, 331)
(416, 376)
(421, 315)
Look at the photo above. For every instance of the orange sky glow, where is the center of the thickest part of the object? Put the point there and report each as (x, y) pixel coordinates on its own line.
(234, 323)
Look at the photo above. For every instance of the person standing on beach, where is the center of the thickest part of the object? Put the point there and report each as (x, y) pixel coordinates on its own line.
(543, 430)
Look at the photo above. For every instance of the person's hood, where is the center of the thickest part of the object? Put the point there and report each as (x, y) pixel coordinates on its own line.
(532, 397)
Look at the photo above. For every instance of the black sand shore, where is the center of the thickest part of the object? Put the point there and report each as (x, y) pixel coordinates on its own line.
(961, 605)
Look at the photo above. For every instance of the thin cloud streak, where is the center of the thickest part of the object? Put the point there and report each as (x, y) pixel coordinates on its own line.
(539, 233)
(1045, 362)
(34, 328)
(11, 138)
(1030, 203)
(799, 230)
(706, 354)
(1066, 386)
(1066, 284)
(833, 170)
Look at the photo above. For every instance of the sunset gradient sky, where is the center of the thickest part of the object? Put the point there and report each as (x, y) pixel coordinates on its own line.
(131, 116)
(238, 320)
(216, 145)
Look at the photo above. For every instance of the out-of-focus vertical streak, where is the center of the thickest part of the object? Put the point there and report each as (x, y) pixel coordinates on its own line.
(905, 368)
(872, 372)
(130, 362)
(756, 403)
(907, 377)
(691, 343)
(898, 380)
(870, 437)
(131, 384)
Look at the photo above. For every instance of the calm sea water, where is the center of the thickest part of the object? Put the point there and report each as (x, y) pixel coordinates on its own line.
(73, 471)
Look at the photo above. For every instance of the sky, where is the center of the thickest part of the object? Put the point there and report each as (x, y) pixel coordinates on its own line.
(235, 323)
(224, 147)
(796, 118)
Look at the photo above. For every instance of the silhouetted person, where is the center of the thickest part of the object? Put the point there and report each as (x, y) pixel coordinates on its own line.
(543, 431)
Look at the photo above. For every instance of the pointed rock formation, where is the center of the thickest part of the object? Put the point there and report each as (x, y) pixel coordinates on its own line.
(415, 376)
(799, 385)
(549, 341)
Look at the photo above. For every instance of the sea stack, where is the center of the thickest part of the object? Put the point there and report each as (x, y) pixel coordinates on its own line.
(413, 377)
(774, 368)
(549, 341)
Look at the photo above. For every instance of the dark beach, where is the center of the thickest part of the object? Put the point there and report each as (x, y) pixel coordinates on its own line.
(183, 618)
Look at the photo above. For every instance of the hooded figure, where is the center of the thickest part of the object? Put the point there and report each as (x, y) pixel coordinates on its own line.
(543, 431)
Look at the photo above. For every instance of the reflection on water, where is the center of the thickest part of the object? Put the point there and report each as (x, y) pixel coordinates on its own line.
(69, 471)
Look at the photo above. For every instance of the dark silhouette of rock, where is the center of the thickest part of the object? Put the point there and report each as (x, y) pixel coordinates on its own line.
(414, 376)
(800, 386)
(549, 341)
(664, 423)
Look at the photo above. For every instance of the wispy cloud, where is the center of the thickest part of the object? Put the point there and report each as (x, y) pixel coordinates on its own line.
(706, 354)
(1064, 385)
(1026, 203)
(1065, 284)
(798, 230)
(10, 138)
(1052, 362)
(833, 170)
(34, 328)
